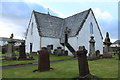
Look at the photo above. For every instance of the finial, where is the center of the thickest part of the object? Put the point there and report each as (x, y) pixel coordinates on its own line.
(48, 11)
(107, 34)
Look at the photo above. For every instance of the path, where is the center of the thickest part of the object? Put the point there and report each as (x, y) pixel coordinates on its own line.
(32, 64)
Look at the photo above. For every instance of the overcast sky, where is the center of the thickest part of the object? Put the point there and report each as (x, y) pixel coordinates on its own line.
(15, 14)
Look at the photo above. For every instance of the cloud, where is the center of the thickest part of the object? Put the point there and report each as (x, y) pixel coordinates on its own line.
(7, 29)
(102, 15)
(14, 20)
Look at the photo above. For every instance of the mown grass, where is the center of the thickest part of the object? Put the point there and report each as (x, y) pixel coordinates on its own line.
(52, 58)
(102, 68)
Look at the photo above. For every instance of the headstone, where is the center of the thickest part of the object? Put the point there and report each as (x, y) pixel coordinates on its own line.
(55, 51)
(49, 48)
(59, 51)
(92, 54)
(43, 60)
(107, 44)
(119, 53)
(65, 53)
(82, 61)
(22, 54)
(10, 52)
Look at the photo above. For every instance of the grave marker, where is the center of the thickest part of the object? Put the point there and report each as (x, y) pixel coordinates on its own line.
(107, 44)
(10, 51)
(43, 60)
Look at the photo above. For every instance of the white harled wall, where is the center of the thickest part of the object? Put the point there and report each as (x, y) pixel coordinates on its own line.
(34, 38)
(50, 41)
(84, 36)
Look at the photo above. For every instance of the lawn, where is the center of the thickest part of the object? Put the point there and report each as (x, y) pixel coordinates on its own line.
(52, 58)
(102, 68)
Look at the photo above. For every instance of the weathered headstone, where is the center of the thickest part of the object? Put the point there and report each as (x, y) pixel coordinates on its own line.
(43, 60)
(107, 44)
(65, 53)
(97, 53)
(92, 54)
(22, 54)
(10, 52)
(119, 53)
(59, 51)
(49, 48)
(82, 61)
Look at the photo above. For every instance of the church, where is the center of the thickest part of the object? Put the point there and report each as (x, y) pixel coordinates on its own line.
(68, 33)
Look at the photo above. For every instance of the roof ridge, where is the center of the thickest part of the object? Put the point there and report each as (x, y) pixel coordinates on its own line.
(79, 13)
(46, 14)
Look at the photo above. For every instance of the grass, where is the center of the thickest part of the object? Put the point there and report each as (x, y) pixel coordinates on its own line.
(102, 68)
(52, 58)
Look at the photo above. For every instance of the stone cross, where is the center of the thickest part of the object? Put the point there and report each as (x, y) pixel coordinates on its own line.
(66, 31)
(92, 47)
(22, 54)
(107, 44)
(43, 60)
(82, 61)
(10, 51)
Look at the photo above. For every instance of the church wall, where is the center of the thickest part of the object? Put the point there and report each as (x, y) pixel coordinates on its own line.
(83, 38)
(34, 38)
(50, 41)
(84, 35)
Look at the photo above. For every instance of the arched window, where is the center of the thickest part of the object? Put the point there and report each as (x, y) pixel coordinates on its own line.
(31, 28)
(91, 28)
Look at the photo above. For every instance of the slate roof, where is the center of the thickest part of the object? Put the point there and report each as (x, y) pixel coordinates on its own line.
(116, 42)
(52, 26)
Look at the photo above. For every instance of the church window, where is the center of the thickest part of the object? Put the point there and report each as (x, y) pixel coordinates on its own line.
(91, 28)
(32, 29)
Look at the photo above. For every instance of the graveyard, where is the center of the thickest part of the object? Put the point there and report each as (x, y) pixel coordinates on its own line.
(57, 64)
(54, 47)
(102, 68)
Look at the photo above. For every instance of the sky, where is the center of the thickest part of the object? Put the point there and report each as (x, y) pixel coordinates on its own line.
(15, 14)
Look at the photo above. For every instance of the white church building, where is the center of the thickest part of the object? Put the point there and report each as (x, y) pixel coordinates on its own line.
(45, 29)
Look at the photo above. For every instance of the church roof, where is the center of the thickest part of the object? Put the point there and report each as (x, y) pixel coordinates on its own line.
(116, 42)
(52, 26)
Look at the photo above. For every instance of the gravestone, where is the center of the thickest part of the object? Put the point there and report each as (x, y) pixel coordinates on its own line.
(97, 53)
(82, 61)
(10, 51)
(107, 44)
(22, 54)
(43, 60)
(49, 48)
(65, 53)
(59, 51)
(92, 54)
(119, 53)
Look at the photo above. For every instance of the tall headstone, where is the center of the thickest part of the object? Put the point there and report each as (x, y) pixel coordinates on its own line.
(43, 60)
(92, 47)
(82, 61)
(22, 54)
(107, 44)
(10, 52)
(92, 53)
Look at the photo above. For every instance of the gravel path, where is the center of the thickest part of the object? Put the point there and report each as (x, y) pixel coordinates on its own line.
(27, 65)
